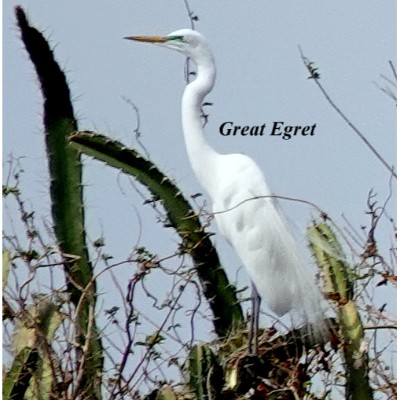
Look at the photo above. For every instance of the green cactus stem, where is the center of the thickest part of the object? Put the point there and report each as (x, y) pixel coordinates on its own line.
(66, 197)
(218, 291)
(339, 289)
(31, 373)
(204, 373)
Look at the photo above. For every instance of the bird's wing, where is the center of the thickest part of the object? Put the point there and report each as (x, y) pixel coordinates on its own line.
(254, 225)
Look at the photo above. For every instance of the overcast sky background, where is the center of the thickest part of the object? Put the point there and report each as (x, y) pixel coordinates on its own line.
(260, 79)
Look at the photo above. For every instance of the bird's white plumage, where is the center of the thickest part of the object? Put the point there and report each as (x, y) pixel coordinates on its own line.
(254, 226)
(250, 217)
(255, 230)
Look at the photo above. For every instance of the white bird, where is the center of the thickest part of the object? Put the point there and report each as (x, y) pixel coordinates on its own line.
(242, 204)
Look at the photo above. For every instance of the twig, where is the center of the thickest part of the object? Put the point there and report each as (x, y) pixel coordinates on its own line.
(315, 77)
(136, 131)
(393, 69)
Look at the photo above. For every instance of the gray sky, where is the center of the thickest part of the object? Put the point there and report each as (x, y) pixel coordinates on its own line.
(260, 79)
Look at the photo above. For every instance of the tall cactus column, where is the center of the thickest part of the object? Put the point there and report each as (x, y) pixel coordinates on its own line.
(339, 284)
(66, 194)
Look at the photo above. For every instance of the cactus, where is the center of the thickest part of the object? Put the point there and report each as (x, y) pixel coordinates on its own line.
(218, 291)
(204, 373)
(66, 197)
(5, 266)
(31, 375)
(339, 284)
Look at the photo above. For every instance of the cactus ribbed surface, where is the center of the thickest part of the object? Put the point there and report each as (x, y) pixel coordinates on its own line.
(66, 197)
(30, 375)
(204, 373)
(339, 288)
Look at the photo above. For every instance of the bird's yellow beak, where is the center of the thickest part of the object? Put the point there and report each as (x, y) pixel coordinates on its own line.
(150, 39)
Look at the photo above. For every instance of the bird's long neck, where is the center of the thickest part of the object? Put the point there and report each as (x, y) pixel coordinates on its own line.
(202, 156)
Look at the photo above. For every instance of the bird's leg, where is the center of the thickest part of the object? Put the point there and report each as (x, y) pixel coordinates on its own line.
(254, 320)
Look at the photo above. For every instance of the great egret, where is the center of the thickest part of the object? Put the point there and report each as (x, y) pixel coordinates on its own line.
(241, 200)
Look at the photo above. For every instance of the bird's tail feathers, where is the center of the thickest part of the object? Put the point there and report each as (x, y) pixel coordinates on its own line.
(312, 313)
